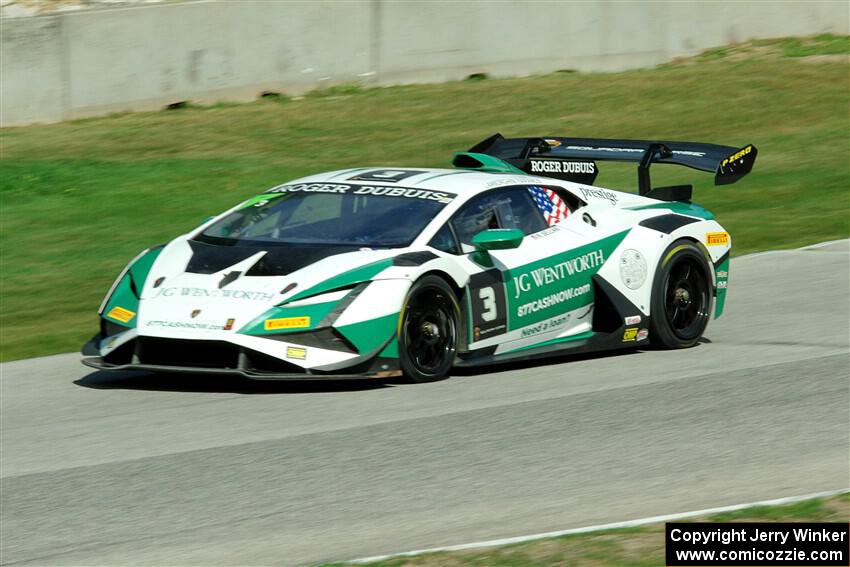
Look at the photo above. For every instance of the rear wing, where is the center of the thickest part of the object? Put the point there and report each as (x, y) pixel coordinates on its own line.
(574, 159)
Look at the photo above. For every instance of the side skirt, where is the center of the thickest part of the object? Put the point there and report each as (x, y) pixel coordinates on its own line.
(598, 342)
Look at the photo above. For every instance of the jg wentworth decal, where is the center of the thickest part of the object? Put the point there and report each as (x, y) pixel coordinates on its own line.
(557, 284)
(547, 275)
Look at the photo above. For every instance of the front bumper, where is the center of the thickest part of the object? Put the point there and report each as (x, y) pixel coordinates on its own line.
(221, 357)
(99, 364)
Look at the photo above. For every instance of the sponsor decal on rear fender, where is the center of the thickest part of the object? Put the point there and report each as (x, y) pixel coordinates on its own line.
(722, 279)
(717, 238)
(633, 268)
(630, 334)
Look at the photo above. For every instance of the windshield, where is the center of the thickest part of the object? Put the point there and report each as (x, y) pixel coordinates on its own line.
(332, 214)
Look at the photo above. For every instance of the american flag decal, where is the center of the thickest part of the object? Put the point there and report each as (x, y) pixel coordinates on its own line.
(554, 208)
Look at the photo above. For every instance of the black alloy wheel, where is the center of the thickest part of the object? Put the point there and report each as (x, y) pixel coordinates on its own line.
(681, 296)
(429, 330)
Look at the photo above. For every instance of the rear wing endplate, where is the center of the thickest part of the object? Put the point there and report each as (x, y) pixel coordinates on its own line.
(573, 159)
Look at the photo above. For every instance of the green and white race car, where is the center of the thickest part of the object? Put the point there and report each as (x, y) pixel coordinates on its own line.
(382, 272)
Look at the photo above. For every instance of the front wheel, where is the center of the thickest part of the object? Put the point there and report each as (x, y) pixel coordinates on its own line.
(681, 296)
(428, 334)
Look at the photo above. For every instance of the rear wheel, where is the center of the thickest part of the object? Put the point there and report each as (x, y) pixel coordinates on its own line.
(681, 296)
(428, 337)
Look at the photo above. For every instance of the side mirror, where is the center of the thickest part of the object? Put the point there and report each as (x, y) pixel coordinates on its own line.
(497, 239)
(494, 239)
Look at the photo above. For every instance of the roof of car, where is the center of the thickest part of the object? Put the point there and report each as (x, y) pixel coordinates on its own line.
(454, 180)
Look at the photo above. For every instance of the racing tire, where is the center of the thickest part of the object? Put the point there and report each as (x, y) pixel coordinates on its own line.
(681, 296)
(428, 330)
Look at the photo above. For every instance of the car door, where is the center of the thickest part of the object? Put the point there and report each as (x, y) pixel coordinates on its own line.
(539, 290)
(510, 207)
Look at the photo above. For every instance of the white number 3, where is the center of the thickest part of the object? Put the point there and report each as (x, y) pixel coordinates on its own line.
(488, 296)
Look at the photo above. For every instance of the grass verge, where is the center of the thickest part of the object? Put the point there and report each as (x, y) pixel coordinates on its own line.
(79, 199)
(630, 547)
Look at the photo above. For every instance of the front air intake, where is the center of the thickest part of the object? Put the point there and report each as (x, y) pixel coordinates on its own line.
(187, 353)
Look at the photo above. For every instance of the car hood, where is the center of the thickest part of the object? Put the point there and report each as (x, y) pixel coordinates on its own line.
(196, 286)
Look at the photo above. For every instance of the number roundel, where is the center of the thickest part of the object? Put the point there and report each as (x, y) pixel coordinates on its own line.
(487, 305)
(385, 175)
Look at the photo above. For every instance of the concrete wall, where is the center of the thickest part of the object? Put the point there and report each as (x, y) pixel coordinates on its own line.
(91, 63)
(31, 71)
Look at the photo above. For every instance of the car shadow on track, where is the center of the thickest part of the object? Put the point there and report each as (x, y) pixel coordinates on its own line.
(553, 360)
(562, 359)
(211, 383)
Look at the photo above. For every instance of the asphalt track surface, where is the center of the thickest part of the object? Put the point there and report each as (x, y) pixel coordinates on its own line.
(118, 469)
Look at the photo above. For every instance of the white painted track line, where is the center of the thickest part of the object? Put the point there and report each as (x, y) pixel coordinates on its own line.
(604, 527)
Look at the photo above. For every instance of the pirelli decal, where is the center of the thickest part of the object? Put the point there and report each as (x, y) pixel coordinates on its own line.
(286, 323)
(717, 238)
(737, 155)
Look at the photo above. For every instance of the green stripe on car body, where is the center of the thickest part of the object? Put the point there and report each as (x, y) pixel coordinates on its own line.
(690, 209)
(123, 300)
(556, 284)
(371, 334)
(391, 350)
(141, 267)
(351, 277)
(309, 315)
(124, 297)
(265, 197)
(722, 271)
(484, 162)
